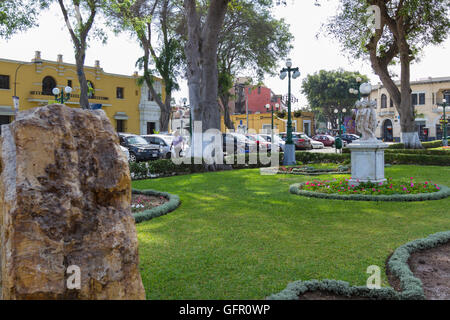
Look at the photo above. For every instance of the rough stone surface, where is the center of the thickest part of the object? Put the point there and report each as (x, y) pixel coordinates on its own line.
(65, 200)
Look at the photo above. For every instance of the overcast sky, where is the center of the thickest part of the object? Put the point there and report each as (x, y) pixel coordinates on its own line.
(309, 54)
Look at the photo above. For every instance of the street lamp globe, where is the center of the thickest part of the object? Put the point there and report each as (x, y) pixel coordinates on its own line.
(283, 75)
(55, 91)
(296, 74)
(344, 110)
(288, 63)
(68, 89)
(358, 79)
(336, 111)
(277, 105)
(267, 106)
(365, 89)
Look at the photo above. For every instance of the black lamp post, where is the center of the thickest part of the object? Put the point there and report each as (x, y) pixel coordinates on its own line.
(15, 97)
(289, 151)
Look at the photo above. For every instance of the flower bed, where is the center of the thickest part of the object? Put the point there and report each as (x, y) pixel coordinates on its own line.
(342, 186)
(144, 214)
(141, 202)
(312, 171)
(398, 190)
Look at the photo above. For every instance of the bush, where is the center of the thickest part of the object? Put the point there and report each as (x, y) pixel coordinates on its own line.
(417, 159)
(426, 145)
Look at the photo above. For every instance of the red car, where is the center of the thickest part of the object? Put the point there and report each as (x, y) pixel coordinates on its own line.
(328, 141)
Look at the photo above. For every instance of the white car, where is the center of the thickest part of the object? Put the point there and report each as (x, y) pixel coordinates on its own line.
(281, 143)
(316, 144)
(125, 150)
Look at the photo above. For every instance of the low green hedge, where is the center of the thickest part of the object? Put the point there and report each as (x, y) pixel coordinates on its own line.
(426, 145)
(429, 152)
(444, 192)
(411, 286)
(172, 204)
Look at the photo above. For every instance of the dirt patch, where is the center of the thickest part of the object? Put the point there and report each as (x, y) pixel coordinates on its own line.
(432, 267)
(326, 295)
(140, 202)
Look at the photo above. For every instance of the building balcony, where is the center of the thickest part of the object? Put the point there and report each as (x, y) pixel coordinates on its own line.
(75, 96)
(386, 113)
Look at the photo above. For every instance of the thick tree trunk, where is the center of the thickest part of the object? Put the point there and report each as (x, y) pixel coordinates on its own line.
(79, 58)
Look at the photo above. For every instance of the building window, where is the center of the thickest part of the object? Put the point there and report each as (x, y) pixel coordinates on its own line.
(391, 103)
(4, 81)
(150, 96)
(259, 90)
(4, 120)
(120, 125)
(69, 83)
(91, 89)
(119, 93)
(418, 99)
(48, 84)
(383, 101)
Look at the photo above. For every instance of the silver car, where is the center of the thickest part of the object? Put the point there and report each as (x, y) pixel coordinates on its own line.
(164, 142)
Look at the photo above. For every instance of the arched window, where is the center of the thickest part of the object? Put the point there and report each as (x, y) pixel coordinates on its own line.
(383, 101)
(48, 84)
(391, 105)
(91, 89)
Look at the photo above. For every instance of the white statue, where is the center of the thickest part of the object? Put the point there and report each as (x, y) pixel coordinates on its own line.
(366, 120)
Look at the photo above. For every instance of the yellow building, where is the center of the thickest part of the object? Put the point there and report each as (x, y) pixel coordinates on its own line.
(261, 122)
(129, 106)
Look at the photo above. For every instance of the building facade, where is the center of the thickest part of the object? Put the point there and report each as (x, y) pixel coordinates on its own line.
(262, 122)
(129, 106)
(426, 95)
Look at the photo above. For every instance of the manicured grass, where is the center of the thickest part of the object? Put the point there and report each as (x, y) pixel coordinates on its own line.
(241, 235)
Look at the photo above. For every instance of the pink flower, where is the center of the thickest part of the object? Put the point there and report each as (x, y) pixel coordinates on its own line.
(411, 178)
(404, 189)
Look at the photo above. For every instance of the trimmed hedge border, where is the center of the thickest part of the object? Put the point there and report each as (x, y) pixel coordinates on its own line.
(171, 205)
(444, 192)
(411, 286)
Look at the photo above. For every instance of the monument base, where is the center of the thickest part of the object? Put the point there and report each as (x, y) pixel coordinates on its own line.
(367, 161)
(289, 155)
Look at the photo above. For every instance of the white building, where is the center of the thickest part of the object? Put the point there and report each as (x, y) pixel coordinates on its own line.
(426, 94)
(149, 110)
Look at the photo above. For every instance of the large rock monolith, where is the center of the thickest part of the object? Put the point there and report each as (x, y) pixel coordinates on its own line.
(65, 197)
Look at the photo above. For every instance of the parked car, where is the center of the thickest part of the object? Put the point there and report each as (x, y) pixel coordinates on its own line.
(260, 141)
(138, 147)
(316, 144)
(162, 141)
(126, 152)
(328, 141)
(349, 137)
(300, 140)
(276, 140)
(241, 142)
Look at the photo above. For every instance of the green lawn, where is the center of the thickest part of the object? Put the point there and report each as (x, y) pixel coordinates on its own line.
(240, 235)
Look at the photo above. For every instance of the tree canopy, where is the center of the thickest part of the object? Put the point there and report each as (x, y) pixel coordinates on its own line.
(18, 15)
(327, 90)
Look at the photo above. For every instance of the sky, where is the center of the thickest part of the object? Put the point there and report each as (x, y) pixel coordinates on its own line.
(310, 53)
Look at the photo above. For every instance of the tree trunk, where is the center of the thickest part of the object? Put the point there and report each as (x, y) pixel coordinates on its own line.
(409, 134)
(79, 58)
(226, 112)
(164, 116)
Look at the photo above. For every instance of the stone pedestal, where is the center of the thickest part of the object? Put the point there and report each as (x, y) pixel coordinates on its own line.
(367, 161)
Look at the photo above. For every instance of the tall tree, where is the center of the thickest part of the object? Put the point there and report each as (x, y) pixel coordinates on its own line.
(79, 28)
(18, 15)
(405, 28)
(201, 57)
(251, 41)
(142, 18)
(327, 90)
